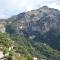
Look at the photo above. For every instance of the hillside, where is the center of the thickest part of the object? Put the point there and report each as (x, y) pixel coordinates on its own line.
(9, 49)
(36, 48)
(24, 48)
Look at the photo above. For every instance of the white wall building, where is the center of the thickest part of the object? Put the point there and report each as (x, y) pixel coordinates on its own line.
(34, 58)
(1, 54)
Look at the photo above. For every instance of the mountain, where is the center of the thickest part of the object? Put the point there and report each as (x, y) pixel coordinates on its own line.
(43, 22)
(36, 32)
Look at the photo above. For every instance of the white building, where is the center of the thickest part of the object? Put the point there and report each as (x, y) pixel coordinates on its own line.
(34, 58)
(1, 54)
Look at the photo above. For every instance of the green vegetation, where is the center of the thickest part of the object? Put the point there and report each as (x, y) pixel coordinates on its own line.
(25, 48)
(33, 48)
(5, 43)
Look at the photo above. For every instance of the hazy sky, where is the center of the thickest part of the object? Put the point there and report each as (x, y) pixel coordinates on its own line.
(13, 7)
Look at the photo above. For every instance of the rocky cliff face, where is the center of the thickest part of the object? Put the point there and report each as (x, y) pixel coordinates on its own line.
(41, 20)
(2, 26)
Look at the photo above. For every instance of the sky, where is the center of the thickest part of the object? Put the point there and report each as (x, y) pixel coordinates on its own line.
(13, 7)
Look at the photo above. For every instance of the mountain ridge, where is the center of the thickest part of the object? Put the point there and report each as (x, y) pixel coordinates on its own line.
(42, 19)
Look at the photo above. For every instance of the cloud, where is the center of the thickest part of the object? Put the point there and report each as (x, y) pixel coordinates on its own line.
(13, 7)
